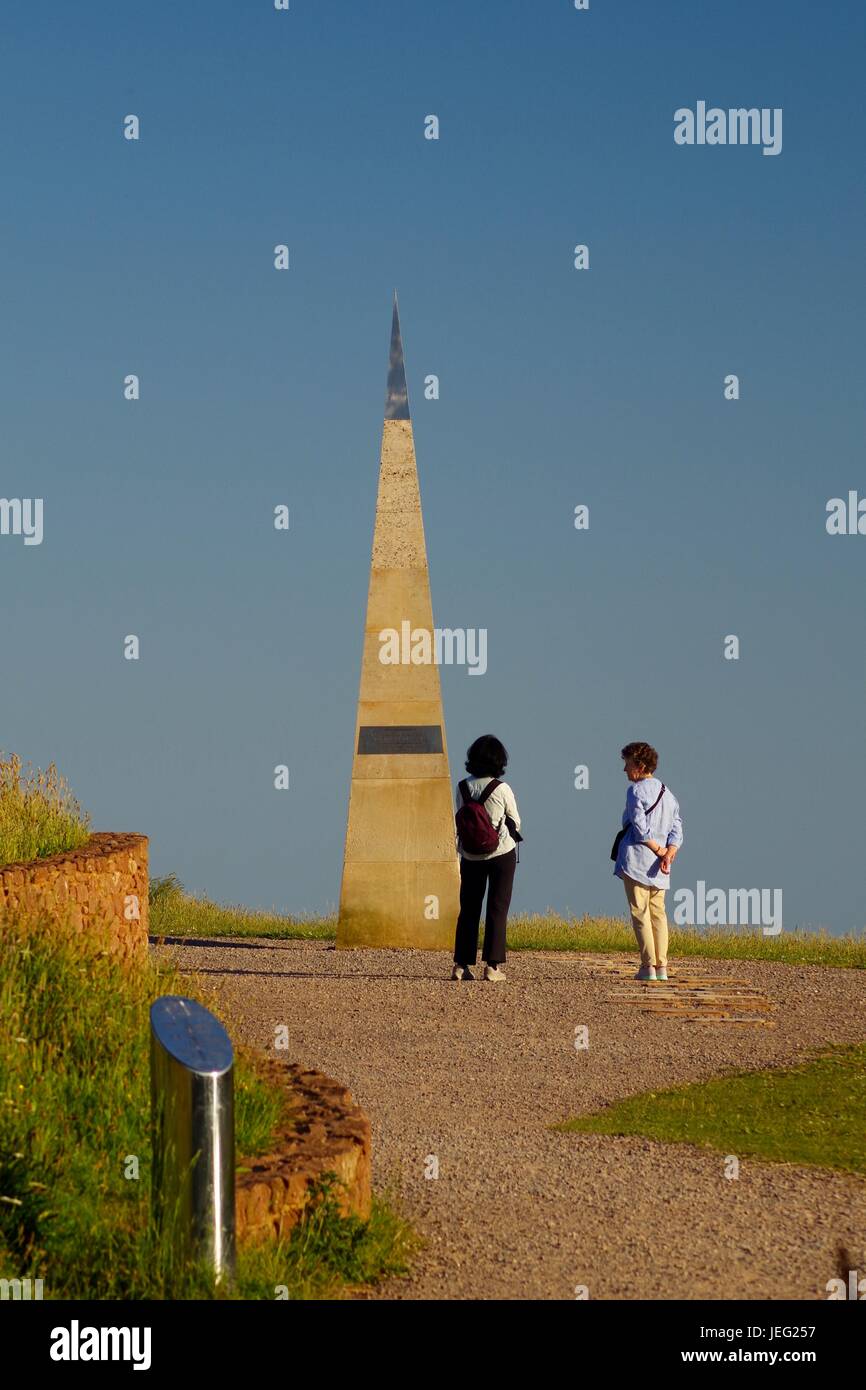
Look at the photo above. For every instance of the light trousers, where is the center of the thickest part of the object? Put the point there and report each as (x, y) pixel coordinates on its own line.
(648, 917)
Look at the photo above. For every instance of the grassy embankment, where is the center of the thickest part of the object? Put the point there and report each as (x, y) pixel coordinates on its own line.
(810, 1113)
(38, 813)
(74, 1111)
(177, 913)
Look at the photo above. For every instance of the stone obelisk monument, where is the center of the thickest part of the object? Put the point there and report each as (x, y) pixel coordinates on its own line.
(400, 872)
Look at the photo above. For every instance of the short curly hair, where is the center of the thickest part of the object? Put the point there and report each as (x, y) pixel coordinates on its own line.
(642, 754)
(486, 757)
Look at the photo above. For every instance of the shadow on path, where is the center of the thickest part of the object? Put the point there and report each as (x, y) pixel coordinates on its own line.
(315, 975)
(238, 943)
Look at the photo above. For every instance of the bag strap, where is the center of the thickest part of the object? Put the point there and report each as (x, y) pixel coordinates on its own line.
(467, 795)
(648, 813)
(491, 787)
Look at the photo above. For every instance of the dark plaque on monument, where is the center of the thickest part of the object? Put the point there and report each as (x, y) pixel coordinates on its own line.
(400, 738)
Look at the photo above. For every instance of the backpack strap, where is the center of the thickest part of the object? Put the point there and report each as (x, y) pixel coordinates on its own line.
(463, 788)
(657, 800)
(491, 787)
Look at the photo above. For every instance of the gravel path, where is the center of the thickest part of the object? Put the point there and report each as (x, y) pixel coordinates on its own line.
(475, 1074)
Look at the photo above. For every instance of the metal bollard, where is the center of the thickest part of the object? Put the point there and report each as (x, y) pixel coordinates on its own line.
(193, 1121)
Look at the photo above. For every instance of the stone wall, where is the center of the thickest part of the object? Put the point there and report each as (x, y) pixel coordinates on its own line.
(97, 887)
(324, 1132)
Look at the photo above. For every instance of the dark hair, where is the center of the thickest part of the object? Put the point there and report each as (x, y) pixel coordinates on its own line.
(486, 757)
(643, 754)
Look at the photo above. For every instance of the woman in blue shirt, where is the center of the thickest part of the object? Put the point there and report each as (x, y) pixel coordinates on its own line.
(653, 834)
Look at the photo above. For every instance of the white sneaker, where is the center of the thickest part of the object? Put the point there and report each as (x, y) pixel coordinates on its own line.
(462, 972)
(646, 973)
(661, 972)
(494, 973)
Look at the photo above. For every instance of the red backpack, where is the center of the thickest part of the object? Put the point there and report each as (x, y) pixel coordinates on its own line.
(475, 829)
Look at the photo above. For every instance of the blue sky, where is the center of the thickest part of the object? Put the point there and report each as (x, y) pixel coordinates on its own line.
(558, 387)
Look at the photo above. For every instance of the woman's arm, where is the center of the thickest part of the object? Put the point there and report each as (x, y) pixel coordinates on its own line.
(675, 839)
(636, 812)
(510, 803)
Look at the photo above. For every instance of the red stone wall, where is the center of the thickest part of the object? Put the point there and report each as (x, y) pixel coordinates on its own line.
(324, 1132)
(92, 888)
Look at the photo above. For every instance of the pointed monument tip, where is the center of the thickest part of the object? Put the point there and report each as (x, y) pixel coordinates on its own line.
(397, 395)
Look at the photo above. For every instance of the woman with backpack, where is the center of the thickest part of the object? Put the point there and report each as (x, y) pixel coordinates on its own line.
(488, 833)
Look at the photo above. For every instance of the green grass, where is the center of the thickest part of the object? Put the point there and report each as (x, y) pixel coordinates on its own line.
(39, 815)
(811, 1113)
(548, 932)
(329, 1256)
(259, 1108)
(174, 912)
(75, 1105)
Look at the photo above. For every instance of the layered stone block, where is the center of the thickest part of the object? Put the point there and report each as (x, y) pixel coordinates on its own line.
(324, 1138)
(103, 886)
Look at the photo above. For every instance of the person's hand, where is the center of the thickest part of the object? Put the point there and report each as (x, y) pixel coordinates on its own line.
(668, 858)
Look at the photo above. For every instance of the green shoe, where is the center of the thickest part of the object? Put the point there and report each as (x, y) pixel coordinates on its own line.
(661, 972)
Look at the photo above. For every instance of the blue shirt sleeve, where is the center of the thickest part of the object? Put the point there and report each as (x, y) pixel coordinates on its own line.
(636, 812)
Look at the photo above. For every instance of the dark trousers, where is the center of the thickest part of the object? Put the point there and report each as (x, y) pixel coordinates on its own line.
(497, 877)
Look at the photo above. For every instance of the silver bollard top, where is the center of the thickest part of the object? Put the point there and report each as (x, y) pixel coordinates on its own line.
(190, 1033)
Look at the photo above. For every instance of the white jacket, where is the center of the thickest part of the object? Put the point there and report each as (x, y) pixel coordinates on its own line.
(499, 804)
